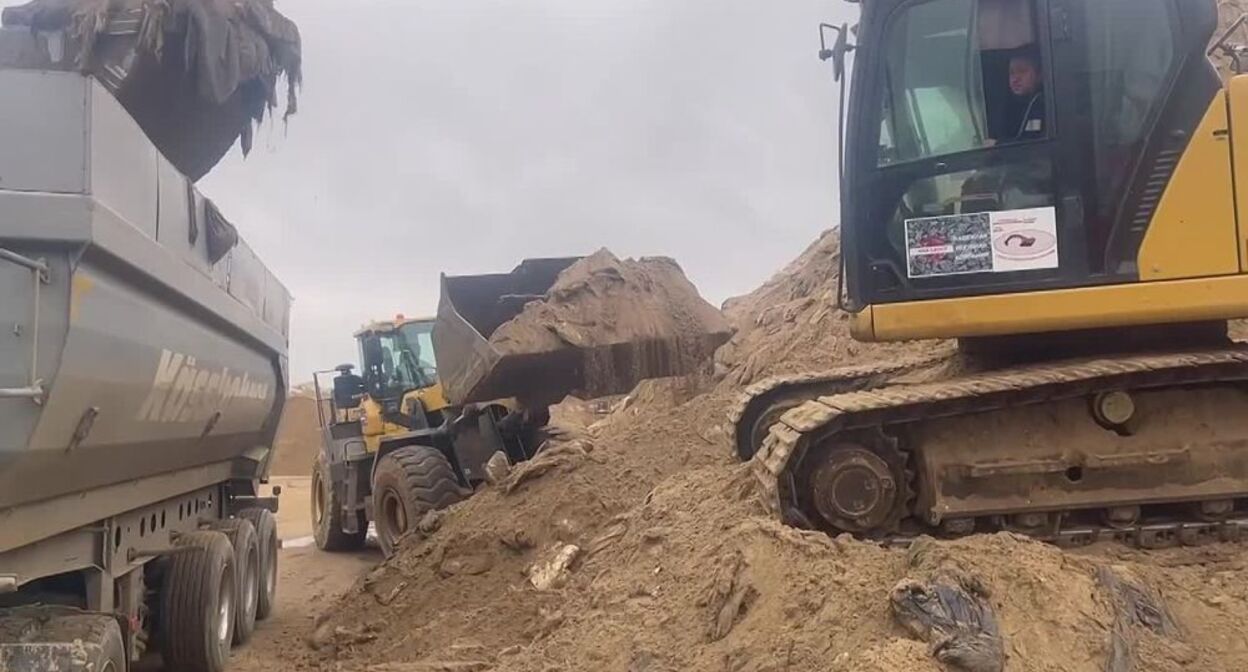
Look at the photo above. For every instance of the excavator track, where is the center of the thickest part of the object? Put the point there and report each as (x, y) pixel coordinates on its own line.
(1149, 450)
(762, 404)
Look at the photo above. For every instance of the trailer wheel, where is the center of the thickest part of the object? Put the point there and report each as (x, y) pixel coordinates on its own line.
(72, 642)
(197, 603)
(327, 514)
(407, 483)
(266, 539)
(242, 536)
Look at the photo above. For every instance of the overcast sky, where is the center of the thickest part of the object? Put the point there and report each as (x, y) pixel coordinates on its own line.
(465, 135)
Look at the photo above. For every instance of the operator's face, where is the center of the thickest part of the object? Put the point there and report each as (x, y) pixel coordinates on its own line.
(1024, 77)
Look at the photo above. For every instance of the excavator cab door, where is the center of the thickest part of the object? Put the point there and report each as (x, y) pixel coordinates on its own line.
(996, 146)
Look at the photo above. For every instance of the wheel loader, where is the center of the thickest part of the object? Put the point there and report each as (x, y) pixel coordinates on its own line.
(1059, 186)
(436, 400)
(394, 447)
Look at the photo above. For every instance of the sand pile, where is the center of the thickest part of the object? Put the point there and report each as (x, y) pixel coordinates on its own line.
(600, 326)
(634, 543)
(298, 438)
(792, 324)
(1239, 330)
(602, 300)
(653, 555)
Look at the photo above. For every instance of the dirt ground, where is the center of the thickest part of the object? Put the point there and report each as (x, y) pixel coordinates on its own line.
(635, 542)
(309, 582)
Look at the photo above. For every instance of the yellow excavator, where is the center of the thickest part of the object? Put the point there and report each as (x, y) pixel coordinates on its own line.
(1061, 186)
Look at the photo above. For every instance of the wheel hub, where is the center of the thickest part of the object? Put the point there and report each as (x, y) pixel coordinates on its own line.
(855, 489)
(395, 514)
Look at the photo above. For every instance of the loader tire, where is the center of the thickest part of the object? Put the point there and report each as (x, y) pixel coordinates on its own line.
(266, 539)
(327, 514)
(242, 536)
(197, 604)
(408, 483)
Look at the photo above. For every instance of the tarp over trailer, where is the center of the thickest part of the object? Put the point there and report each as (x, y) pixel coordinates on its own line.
(197, 75)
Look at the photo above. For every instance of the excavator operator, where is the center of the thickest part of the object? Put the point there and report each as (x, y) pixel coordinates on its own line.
(1027, 88)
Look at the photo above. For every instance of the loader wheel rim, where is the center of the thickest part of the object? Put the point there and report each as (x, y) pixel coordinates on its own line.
(225, 610)
(394, 514)
(855, 489)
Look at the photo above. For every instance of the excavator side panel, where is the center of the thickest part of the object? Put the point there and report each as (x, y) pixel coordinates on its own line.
(1193, 233)
(1238, 104)
(1134, 304)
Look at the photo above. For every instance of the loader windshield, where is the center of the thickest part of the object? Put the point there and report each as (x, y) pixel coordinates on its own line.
(418, 337)
(399, 360)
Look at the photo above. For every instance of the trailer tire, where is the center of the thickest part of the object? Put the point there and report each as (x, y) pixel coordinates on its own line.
(73, 642)
(327, 514)
(407, 483)
(266, 539)
(197, 603)
(242, 536)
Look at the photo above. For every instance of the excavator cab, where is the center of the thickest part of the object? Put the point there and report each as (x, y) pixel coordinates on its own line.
(974, 206)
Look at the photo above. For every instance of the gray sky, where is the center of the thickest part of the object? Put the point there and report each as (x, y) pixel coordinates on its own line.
(465, 135)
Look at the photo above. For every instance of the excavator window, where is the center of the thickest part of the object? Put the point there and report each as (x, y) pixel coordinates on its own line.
(1131, 54)
(955, 83)
(952, 72)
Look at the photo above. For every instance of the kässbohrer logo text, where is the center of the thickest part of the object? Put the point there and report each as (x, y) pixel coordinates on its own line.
(183, 392)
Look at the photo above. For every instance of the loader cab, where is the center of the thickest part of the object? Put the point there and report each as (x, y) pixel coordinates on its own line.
(397, 357)
(400, 376)
(955, 185)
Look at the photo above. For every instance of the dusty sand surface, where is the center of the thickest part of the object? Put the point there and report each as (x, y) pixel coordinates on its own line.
(792, 324)
(294, 517)
(298, 438)
(603, 300)
(309, 582)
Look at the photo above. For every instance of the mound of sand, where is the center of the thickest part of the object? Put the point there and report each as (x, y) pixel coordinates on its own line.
(792, 324)
(298, 438)
(602, 300)
(635, 543)
(604, 325)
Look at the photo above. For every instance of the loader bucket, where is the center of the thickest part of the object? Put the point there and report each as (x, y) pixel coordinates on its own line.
(474, 370)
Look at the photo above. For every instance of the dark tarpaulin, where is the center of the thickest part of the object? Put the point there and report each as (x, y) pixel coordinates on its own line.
(197, 75)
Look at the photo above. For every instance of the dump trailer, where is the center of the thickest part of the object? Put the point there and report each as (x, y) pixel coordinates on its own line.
(142, 376)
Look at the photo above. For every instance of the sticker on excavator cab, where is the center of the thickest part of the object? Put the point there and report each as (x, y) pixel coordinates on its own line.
(982, 242)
